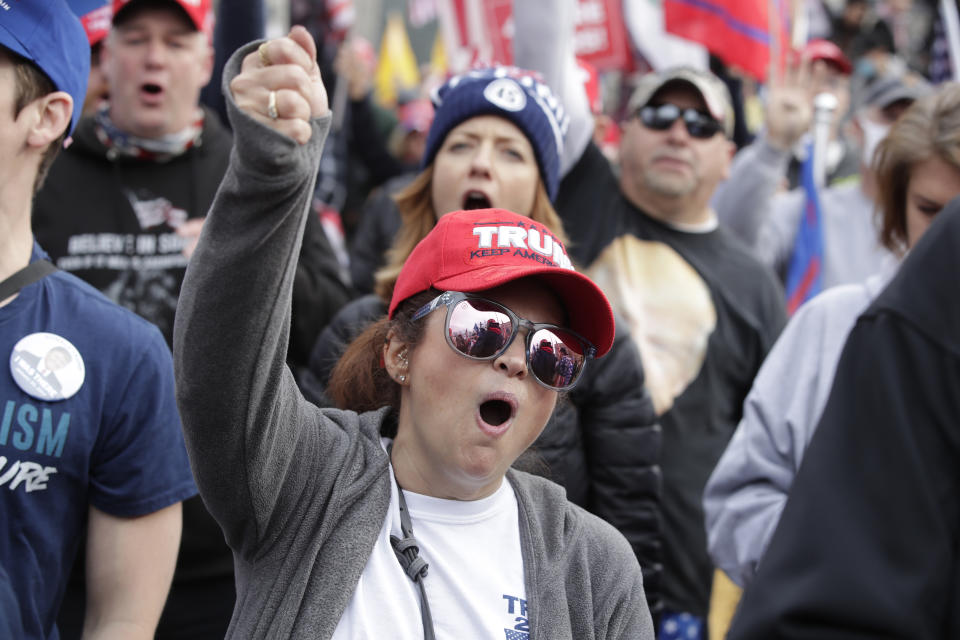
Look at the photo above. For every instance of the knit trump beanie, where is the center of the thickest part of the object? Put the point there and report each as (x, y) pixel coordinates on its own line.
(510, 93)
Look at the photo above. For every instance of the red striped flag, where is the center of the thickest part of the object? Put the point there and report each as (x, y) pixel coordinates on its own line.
(736, 31)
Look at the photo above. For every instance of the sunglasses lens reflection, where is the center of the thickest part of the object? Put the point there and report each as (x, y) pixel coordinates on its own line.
(556, 357)
(480, 329)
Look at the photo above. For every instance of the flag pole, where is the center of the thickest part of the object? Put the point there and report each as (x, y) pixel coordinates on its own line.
(951, 27)
(800, 28)
(824, 105)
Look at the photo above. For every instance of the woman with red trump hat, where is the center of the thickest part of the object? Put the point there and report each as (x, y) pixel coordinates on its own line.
(405, 522)
(496, 141)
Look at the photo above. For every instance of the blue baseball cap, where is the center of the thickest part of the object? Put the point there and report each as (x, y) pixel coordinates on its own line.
(48, 33)
(511, 93)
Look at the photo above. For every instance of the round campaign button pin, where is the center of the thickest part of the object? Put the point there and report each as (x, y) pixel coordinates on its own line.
(506, 94)
(47, 366)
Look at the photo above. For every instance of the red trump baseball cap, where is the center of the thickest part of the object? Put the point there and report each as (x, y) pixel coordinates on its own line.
(200, 12)
(829, 52)
(95, 15)
(480, 249)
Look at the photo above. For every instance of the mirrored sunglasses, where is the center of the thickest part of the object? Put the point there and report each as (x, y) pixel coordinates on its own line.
(661, 117)
(482, 329)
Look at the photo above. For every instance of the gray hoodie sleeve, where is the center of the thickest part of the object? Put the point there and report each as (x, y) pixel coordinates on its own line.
(750, 204)
(244, 420)
(543, 41)
(750, 484)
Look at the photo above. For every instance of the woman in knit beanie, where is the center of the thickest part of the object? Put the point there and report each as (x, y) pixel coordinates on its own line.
(495, 141)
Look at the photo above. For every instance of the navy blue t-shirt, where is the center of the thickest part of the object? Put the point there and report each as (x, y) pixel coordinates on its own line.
(10, 626)
(115, 444)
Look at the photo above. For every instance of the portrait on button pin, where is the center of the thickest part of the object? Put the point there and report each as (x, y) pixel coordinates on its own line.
(47, 366)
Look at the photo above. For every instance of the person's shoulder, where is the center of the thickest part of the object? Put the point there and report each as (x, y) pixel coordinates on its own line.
(751, 288)
(924, 290)
(741, 262)
(364, 309)
(824, 320)
(599, 538)
(739, 252)
(103, 318)
(564, 525)
(544, 495)
(841, 300)
(590, 176)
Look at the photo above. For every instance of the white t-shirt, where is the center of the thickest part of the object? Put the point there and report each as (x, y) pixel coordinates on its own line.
(475, 581)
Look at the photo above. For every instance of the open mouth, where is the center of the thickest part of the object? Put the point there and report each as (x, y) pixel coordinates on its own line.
(476, 200)
(152, 89)
(495, 412)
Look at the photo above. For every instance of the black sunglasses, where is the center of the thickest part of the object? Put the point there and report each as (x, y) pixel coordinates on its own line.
(661, 117)
(482, 329)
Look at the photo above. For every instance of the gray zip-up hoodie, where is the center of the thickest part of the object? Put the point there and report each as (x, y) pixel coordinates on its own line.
(301, 492)
(749, 204)
(748, 488)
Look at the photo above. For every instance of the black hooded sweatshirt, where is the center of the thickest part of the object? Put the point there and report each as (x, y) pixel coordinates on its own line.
(867, 546)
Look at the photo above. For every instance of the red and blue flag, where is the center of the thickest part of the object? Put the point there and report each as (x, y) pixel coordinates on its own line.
(805, 272)
(736, 31)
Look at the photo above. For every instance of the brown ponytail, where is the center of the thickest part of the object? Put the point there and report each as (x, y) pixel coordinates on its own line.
(359, 382)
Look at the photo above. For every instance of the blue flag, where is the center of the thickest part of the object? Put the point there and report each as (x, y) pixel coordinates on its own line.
(805, 273)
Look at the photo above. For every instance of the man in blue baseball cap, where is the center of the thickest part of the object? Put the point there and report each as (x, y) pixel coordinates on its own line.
(56, 45)
(121, 209)
(100, 451)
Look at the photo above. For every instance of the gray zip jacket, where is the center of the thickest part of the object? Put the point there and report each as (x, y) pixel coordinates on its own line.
(301, 492)
(749, 204)
(749, 487)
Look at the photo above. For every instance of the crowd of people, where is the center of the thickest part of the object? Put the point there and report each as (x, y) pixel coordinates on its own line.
(226, 414)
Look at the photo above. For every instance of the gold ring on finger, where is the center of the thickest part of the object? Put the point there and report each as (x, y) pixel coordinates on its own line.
(272, 106)
(264, 58)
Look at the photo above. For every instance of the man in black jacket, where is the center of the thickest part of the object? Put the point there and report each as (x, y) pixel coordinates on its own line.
(867, 544)
(702, 310)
